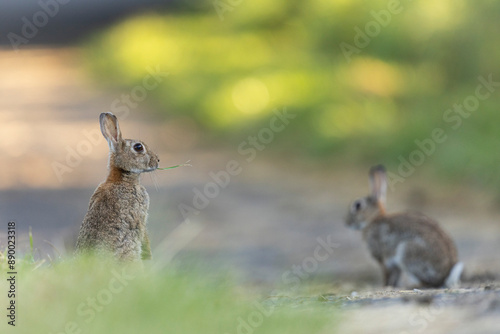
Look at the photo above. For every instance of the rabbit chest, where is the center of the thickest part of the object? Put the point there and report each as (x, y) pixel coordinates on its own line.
(132, 208)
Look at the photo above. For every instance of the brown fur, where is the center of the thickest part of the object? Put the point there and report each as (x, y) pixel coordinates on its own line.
(405, 242)
(116, 218)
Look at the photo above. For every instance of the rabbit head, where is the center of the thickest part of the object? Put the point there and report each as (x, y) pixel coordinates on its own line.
(128, 155)
(364, 210)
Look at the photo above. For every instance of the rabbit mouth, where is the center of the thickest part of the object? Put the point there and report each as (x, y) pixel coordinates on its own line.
(356, 227)
(145, 170)
(354, 224)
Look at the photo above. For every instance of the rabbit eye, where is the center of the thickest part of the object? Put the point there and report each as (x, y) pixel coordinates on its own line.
(357, 206)
(138, 147)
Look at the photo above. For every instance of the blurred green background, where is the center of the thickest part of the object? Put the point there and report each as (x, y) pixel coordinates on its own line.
(231, 64)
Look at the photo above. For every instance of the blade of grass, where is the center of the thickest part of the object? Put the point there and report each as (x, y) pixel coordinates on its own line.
(186, 164)
(31, 246)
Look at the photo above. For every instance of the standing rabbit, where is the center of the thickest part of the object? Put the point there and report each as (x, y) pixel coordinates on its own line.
(408, 243)
(115, 222)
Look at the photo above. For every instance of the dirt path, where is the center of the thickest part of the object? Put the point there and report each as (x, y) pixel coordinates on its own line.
(268, 219)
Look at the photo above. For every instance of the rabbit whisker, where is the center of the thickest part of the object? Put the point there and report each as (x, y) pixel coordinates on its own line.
(155, 180)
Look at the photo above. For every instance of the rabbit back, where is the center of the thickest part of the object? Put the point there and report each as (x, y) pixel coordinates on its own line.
(116, 221)
(415, 243)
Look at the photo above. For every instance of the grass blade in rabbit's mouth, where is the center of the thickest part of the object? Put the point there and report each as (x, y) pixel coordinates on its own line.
(186, 164)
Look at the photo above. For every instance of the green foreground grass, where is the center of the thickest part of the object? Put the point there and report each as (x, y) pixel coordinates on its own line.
(94, 296)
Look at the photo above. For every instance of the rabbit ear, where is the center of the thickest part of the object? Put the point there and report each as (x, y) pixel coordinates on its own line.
(378, 182)
(110, 130)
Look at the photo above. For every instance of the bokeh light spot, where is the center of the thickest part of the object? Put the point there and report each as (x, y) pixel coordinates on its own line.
(250, 96)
